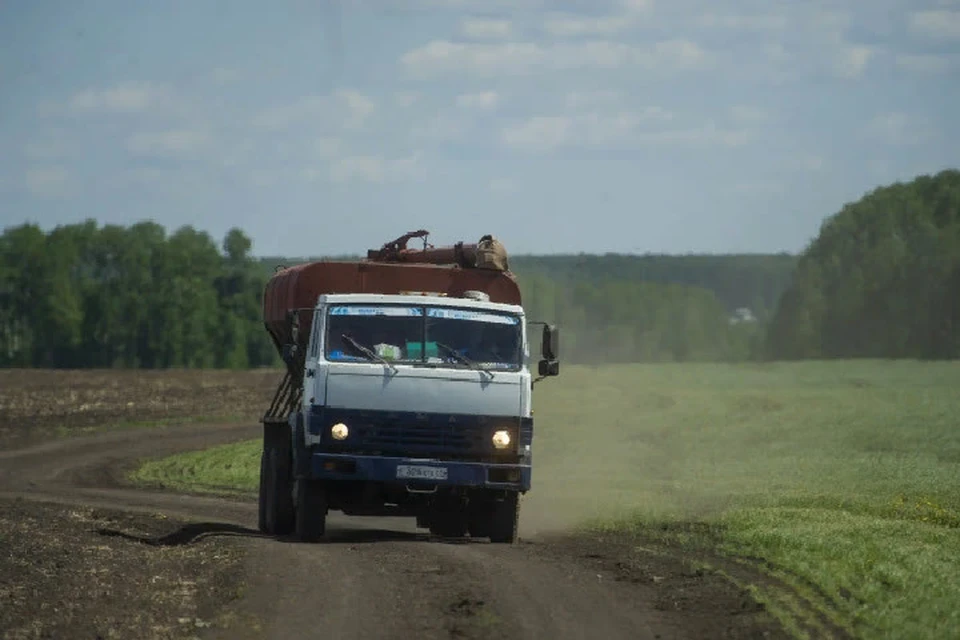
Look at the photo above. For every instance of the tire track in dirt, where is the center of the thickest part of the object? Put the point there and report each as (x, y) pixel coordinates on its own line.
(374, 577)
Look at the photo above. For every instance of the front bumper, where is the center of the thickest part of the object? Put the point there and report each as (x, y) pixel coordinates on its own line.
(420, 472)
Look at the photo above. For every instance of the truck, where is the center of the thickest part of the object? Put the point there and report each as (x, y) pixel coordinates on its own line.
(407, 391)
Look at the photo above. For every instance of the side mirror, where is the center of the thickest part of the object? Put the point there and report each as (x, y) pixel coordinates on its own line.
(550, 348)
(289, 354)
(549, 368)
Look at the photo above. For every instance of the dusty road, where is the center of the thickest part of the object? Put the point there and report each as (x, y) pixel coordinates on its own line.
(374, 578)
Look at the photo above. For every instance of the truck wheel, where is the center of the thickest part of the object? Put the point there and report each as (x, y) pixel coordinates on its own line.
(505, 519)
(276, 498)
(311, 520)
(262, 523)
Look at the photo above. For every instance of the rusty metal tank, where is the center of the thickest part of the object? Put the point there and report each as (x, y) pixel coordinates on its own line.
(392, 269)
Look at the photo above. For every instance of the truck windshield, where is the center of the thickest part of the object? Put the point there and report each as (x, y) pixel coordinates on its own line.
(439, 336)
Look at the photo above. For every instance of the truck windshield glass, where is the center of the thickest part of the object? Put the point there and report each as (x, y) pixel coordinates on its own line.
(386, 331)
(441, 336)
(485, 338)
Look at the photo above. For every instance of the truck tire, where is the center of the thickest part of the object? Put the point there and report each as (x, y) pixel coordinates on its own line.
(505, 519)
(311, 508)
(262, 523)
(276, 491)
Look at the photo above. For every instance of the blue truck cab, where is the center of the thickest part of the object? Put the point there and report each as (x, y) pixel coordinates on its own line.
(412, 405)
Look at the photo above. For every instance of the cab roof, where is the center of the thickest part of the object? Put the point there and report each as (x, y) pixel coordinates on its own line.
(417, 298)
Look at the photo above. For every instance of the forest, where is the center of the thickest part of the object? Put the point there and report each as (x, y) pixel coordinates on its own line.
(882, 279)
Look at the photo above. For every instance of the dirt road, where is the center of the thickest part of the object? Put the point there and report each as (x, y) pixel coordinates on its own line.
(374, 578)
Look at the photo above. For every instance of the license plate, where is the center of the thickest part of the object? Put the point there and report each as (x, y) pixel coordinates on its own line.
(419, 472)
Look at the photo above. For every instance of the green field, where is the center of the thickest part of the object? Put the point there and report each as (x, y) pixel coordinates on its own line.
(844, 477)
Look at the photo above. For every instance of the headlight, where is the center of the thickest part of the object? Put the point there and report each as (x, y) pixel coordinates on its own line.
(339, 431)
(501, 439)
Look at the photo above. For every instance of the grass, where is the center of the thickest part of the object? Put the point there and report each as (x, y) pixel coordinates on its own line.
(231, 468)
(842, 479)
(69, 432)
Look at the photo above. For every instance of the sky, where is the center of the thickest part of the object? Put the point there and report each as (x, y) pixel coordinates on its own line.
(332, 126)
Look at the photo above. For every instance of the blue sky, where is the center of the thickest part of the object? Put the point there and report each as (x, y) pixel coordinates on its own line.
(564, 126)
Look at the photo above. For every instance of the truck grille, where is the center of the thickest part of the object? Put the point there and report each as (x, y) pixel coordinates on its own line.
(415, 433)
(401, 434)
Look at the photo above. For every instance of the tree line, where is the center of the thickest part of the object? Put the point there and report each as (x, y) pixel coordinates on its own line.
(882, 279)
(83, 296)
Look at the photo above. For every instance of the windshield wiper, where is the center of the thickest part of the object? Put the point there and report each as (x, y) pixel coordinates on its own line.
(367, 351)
(464, 359)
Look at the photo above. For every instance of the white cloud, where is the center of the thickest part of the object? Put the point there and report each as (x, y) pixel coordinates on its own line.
(129, 97)
(374, 168)
(678, 52)
(224, 76)
(937, 23)
(747, 113)
(546, 133)
(635, 5)
(830, 19)
(328, 147)
(443, 56)
(707, 135)
(486, 28)
(441, 128)
(345, 107)
(539, 133)
(484, 100)
(852, 61)
(471, 5)
(360, 107)
(515, 6)
(799, 39)
(166, 142)
(922, 63)
(47, 181)
(45, 150)
(565, 25)
(776, 53)
(578, 99)
(406, 99)
(600, 130)
(739, 22)
(899, 129)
